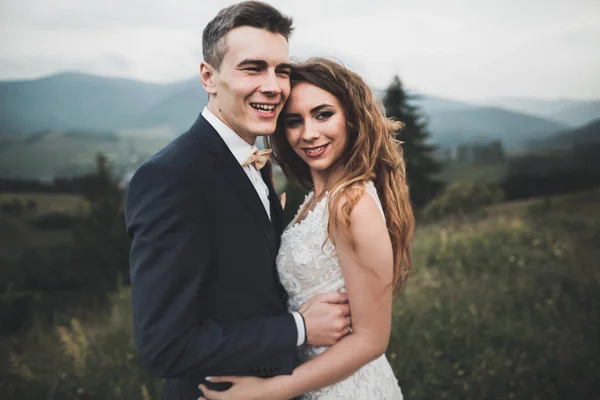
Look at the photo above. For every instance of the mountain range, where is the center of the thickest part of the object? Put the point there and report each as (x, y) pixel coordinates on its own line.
(582, 136)
(567, 111)
(75, 101)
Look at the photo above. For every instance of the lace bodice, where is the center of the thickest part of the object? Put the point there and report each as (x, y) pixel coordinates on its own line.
(308, 265)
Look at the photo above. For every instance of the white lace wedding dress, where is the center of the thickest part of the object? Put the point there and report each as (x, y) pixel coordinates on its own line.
(306, 269)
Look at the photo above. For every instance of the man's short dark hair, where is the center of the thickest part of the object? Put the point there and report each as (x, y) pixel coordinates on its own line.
(247, 13)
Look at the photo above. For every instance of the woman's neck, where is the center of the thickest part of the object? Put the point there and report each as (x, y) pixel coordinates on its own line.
(324, 180)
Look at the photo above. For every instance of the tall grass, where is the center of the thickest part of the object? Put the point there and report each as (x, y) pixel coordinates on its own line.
(503, 308)
(82, 360)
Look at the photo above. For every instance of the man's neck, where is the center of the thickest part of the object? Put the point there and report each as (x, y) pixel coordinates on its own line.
(214, 108)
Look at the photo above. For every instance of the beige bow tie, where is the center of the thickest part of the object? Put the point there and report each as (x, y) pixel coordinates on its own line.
(258, 157)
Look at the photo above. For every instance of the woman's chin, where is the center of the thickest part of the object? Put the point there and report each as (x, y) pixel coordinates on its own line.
(318, 165)
(325, 167)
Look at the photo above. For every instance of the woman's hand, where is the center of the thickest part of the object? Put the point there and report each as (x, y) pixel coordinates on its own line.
(244, 388)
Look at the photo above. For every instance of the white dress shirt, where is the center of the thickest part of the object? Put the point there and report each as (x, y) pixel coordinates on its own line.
(241, 150)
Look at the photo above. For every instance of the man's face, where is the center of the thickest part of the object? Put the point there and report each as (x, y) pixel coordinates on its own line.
(253, 81)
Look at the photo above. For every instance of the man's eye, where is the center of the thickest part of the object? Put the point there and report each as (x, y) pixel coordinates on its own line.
(251, 69)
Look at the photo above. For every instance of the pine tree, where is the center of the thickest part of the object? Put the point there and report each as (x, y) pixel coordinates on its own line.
(421, 167)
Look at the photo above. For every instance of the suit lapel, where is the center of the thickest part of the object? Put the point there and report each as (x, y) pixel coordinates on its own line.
(276, 210)
(229, 167)
(276, 218)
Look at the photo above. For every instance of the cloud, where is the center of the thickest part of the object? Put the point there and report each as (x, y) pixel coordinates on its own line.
(464, 48)
(118, 61)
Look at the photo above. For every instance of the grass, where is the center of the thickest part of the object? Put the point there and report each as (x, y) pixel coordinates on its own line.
(17, 235)
(81, 360)
(505, 306)
(585, 203)
(64, 153)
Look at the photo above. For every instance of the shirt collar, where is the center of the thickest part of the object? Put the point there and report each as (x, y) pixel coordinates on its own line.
(240, 149)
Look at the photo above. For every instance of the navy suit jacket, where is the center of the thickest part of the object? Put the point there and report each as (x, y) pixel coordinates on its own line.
(206, 296)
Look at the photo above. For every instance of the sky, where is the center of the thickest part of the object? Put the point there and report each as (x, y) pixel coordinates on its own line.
(462, 49)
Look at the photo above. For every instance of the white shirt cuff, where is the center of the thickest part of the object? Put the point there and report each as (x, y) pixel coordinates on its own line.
(300, 327)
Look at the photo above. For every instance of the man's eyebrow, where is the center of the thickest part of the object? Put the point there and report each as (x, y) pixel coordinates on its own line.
(262, 64)
(248, 61)
(284, 66)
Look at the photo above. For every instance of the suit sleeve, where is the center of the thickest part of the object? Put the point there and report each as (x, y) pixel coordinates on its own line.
(170, 264)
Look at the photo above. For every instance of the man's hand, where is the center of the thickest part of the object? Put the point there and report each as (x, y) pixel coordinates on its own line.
(327, 318)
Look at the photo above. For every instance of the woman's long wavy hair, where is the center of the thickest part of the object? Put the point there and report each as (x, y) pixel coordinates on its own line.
(373, 154)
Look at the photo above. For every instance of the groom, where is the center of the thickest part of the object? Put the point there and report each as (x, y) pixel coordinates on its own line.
(206, 222)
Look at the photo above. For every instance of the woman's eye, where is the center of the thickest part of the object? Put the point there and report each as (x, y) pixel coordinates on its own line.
(292, 123)
(324, 115)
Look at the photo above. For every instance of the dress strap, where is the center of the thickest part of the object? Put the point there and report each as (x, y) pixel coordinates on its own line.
(372, 190)
(369, 188)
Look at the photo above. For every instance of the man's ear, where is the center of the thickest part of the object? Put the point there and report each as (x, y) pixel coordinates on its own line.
(207, 77)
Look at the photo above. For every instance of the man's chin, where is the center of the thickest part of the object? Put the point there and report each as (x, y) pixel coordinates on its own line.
(264, 130)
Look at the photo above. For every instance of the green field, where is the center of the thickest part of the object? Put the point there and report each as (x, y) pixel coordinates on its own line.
(73, 153)
(17, 233)
(505, 306)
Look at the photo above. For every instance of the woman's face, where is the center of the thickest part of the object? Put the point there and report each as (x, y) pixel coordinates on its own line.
(315, 127)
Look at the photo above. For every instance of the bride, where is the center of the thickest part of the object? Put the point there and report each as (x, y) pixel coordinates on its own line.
(352, 233)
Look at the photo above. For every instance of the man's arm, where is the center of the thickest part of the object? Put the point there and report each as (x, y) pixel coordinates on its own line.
(170, 266)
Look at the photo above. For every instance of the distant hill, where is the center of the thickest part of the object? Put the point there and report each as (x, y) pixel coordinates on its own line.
(532, 106)
(74, 101)
(477, 124)
(86, 102)
(454, 122)
(584, 135)
(568, 111)
(177, 111)
(580, 114)
(431, 105)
